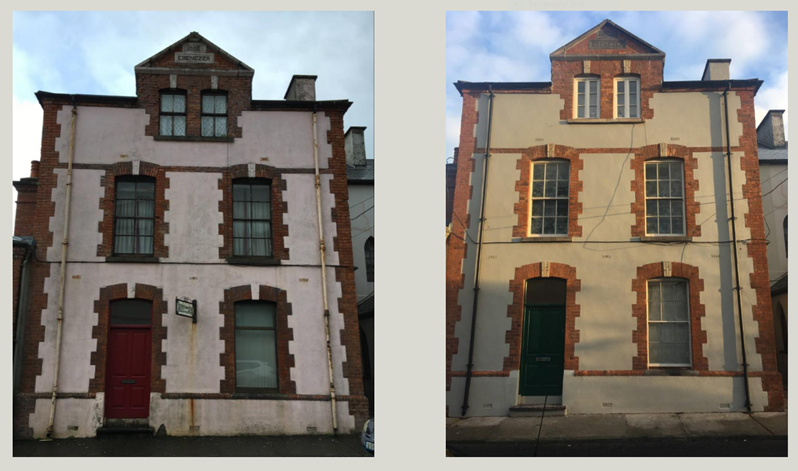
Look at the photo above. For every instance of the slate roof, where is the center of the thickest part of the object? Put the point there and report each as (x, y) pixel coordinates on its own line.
(773, 155)
(361, 174)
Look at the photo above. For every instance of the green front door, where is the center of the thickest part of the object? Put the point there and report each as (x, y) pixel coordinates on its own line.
(543, 350)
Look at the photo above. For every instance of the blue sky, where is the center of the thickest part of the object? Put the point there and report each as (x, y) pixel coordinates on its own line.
(514, 47)
(95, 52)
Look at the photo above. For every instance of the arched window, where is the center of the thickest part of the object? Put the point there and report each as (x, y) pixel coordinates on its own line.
(785, 236)
(370, 259)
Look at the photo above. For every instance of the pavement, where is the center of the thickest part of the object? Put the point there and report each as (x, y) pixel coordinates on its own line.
(617, 427)
(303, 445)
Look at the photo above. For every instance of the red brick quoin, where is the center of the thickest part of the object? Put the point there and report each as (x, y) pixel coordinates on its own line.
(100, 332)
(691, 207)
(279, 207)
(516, 311)
(285, 360)
(107, 204)
(698, 336)
(524, 184)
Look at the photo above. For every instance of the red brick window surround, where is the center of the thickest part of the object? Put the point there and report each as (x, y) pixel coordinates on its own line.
(106, 226)
(665, 153)
(278, 208)
(525, 185)
(214, 113)
(516, 310)
(626, 98)
(587, 90)
(284, 334)
(640, 336)
(173, 112)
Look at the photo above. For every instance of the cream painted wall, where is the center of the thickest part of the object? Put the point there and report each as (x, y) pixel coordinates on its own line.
(606, 256)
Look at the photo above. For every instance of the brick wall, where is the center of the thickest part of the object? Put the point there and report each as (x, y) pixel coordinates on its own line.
(26, 206)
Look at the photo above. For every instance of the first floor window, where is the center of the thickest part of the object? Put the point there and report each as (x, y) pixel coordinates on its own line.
(256, 345)
(550, 198)
(627, 98)
(664, 198)
(668, 323)
(587, 98)
(134, 218)
(252, 218)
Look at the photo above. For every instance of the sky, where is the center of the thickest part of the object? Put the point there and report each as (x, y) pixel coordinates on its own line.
(514, 47)
(95, 53)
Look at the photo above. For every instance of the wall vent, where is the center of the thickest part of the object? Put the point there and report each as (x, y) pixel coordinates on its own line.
(72, 427)
(194, 428)
(725, 405)
(606, 404)
(487, 406)
(311, 430)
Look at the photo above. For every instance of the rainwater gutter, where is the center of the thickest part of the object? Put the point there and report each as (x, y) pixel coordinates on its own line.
(62, 279)
(470, 365)
(734, 241)
(322, 254)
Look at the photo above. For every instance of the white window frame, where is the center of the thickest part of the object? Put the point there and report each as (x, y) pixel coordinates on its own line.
(688, 322)
(626, 99)
(646, 198)
(532, 198)
(587, 81)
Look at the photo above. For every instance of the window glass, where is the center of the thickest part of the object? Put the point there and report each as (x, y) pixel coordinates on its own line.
(173, 114)
(131, 312)
(546, 291)
(252, 215)
(668, 323)
(214, 115)
(256, 345)
(369, 250)
(626, 98)
(134, 214)
(550, 198)
(587, 98)
(664, 194)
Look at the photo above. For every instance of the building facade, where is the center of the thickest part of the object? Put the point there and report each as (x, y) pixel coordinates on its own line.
(773, 175)
(193, 297)
(591, 263)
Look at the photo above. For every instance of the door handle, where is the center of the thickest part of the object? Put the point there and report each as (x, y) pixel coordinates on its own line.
(128, 381)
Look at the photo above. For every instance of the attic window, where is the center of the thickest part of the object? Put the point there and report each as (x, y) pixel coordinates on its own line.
(627, 97)
(587, 98)
(214, 114)
(173, 113)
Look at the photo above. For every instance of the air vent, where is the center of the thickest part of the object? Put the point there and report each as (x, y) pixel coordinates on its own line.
(487, 406)
(725, 405)
(311, 430)
(606, 404)
(72, 427)
(194, 428)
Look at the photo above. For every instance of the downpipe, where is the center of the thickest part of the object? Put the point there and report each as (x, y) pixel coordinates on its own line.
(734, 241)
(322, 254)
(470, 365)
(62, 282)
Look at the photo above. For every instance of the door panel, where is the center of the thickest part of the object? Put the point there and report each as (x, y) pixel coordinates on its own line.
(128, 373)
(543, 350)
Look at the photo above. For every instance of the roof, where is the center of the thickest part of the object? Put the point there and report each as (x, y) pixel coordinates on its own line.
(563, 51)
(461, 85)
(780, 286)
(713, 84)
(361, 175)
(194, 37)
(772, 155)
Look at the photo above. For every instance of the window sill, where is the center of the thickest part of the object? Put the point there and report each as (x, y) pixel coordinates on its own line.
(604, 121)
(264, 394)
(132, 259)
(666, 239)
(194, 138)
(254, 261)
(544, 239)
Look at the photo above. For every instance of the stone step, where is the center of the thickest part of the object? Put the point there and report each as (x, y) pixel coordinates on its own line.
(125, 428)
(536, 410)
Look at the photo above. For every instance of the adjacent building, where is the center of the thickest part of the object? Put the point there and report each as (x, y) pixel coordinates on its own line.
(179, 279)
(596, 262)
(773, 176)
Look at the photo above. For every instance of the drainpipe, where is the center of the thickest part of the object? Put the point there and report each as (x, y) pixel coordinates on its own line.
(62, 282)
(22, 313)
(734, 241)
(324, 275)
(470, 364)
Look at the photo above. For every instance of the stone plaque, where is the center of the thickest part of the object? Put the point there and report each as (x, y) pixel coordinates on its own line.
(607, 44)
(194, 57)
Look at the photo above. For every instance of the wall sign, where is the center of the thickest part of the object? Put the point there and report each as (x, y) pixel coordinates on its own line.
(185, 307)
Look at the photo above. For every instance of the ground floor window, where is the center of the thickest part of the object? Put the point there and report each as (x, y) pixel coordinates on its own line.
(256, 346)
(668, 323)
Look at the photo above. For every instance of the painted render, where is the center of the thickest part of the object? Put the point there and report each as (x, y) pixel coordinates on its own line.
(605, 347)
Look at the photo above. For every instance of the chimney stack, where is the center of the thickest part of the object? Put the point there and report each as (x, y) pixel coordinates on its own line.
(770, 131)
(716, 69)
(355, 146)
(301, 88)
(34, 169)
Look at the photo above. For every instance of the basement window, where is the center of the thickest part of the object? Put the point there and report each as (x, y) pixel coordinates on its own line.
(665, 198)
(627, 97)
(550, 198)
(214, 114)
(173, 113)
(668, 323)
(588, 103)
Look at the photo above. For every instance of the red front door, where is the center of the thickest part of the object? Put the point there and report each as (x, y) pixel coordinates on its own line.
(129, 353)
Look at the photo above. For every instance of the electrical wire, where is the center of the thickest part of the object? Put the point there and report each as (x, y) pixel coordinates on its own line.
(364, 212)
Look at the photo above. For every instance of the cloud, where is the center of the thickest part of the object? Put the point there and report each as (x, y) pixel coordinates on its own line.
(772, 96)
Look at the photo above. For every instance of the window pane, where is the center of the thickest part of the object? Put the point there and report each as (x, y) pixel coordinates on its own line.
(125, 209)
(146, 208)
(255, 314)
(654, 301)
(145, 190)
(651, 189)
(551, 189)
(537, 189)
(676, 188)
(166, 125)
(537, 171)
(221, 127)
(221, 104)
(580, 112)
(662, 171)
(261, 210)
(240, 211)
(633, 110)
(550, 208)
(677, 224)
(548, 225)
(145, 245)
(665, 208)
(261, 229)
(676, 207)
(125, 226)
(125, 190)
(207, 126)
(651, 172)
(664, 188)
(652, 227)
(580, 87)
(651, 208)
(180, 125)
(123, 244)
(240, 228)
(664, 225)
(621, 110)
(537, 226)
(562, 172)
(180, 103)
(620, 87)
(632, 87)
(239, 247)
(241, 192)
(562, 225)
(167, 103)
(537, 207)
(562, 208)
(562, 188)
(261, 247)
(551, 172)
(593, 98)
(261, 193)
(580, 100)
(676, 171)
(131, 312)
(145, 227)
(207, 104)
(256, 362)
